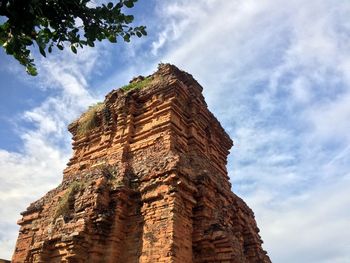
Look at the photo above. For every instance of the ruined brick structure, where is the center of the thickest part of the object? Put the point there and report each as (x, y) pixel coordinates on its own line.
(147, 183)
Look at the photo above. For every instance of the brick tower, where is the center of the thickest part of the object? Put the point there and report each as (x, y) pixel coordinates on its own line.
(147, 183)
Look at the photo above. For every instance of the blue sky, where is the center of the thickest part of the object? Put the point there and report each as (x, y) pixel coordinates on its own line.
(275, 73)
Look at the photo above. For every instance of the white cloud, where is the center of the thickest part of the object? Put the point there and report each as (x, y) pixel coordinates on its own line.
(24, 178)
(276, 75)
(331, 119)
(308, 222)
(37, 168)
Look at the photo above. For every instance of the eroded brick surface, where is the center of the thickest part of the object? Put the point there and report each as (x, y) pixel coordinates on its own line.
(147, 184)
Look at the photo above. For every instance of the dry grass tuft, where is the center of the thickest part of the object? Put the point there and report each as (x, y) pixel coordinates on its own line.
(63, 207)
(89, 119)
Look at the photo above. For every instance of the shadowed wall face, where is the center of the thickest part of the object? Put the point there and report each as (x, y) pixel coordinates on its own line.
(147, 183)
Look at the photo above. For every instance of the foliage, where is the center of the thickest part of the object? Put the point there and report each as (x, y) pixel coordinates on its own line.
(54, 23)
(67, 198)
(89, 119)
(137, 85)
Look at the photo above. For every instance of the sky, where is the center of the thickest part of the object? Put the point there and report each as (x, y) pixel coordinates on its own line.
(275, 73)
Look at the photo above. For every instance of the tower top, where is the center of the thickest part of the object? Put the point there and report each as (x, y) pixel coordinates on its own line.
(166, 105)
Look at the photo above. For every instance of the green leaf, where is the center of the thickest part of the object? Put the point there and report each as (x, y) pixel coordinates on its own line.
(50, 49)
(74, 49)
(9, 47)
(126, 37)
(31, 70)
(90, 43)
(129, 19)
(45, 23)
(110, 5)
(60, 47)
(143, 31)
(119, 5)
(112, 39)
(27, 41)
(129, 4)
(42, 51)
(138, 33)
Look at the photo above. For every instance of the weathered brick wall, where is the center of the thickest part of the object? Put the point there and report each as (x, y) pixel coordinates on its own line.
(148, 183)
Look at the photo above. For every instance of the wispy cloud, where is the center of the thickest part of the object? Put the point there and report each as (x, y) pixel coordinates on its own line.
(29, 174)
(276, 75)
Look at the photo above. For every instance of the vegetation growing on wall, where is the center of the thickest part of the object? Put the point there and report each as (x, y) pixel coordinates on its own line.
(89, 119)
(63, 206)
(137, 85)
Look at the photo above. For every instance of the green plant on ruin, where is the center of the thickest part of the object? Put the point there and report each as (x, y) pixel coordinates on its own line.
(137, 85)
(89, 119)
(64, 203)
